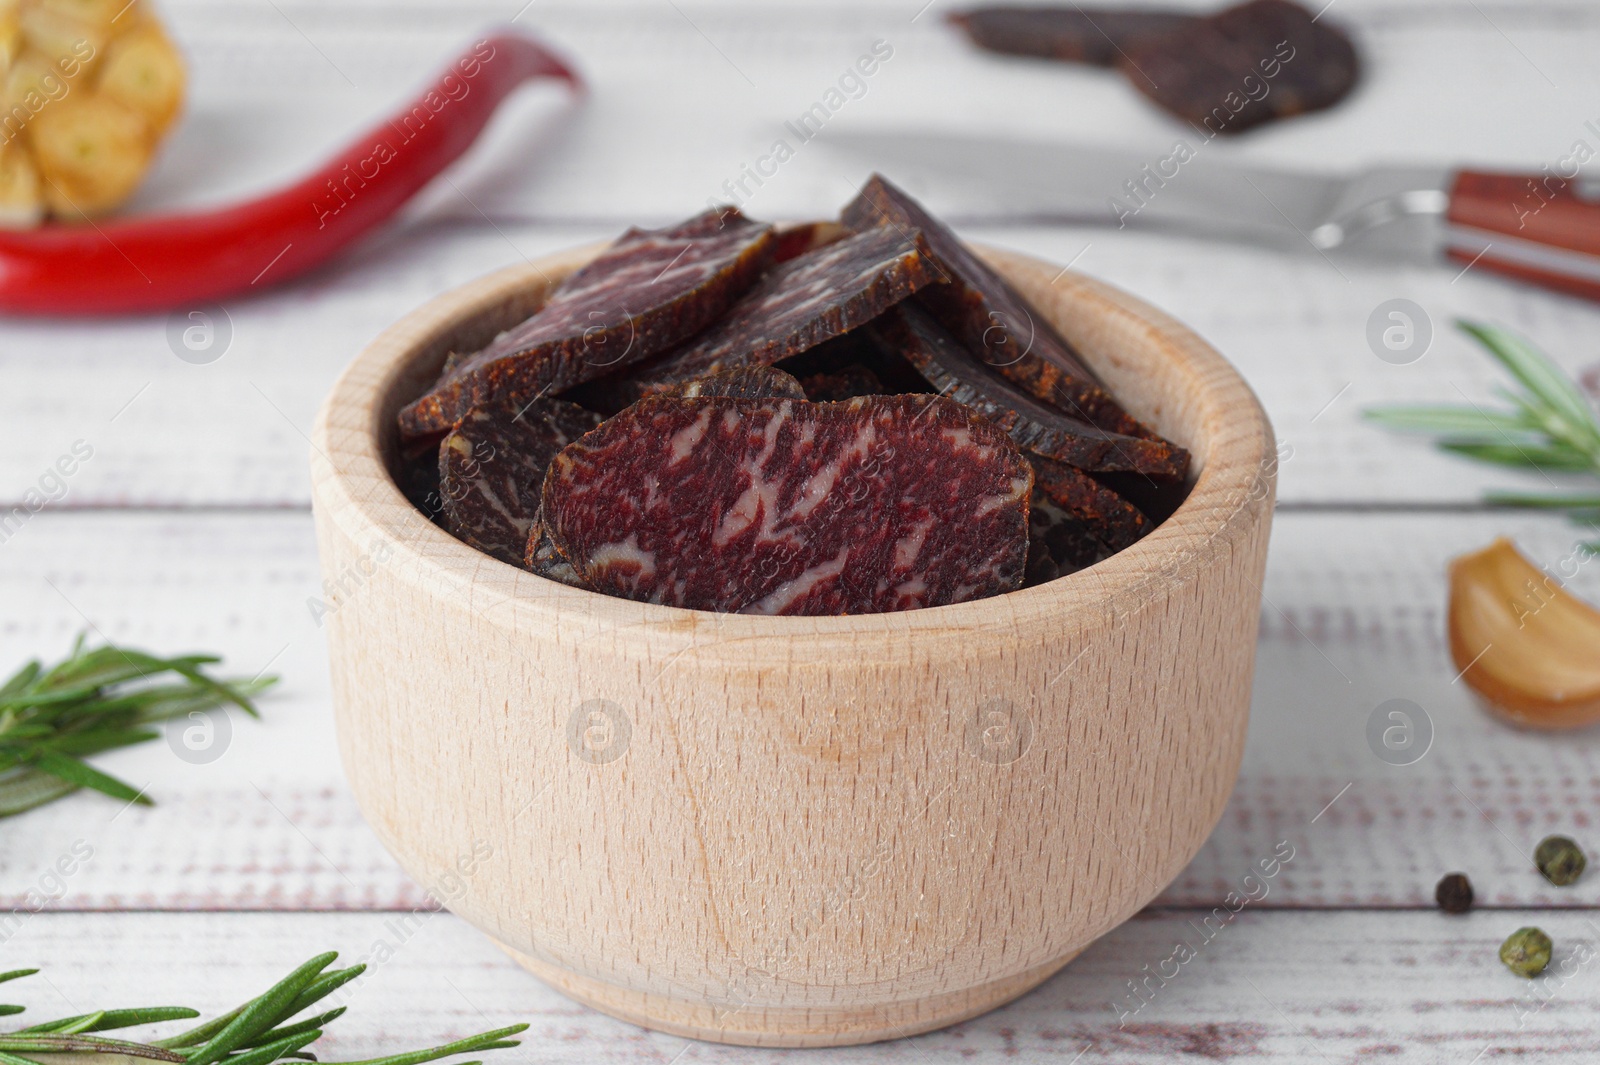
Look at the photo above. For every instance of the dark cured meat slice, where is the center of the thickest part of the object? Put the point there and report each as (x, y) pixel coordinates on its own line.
(1249, 64)
(805, 237)
(1157, 500)
(787, 507)
(645, 293)
(805, 301)
(1058, 543)
(1112, 520)
(1074, 34)
(847, 382)
(744, 382)
(988, 316)
(492, 466)
(416, 474)
(952, 370)
(543, 559)
(851, 354)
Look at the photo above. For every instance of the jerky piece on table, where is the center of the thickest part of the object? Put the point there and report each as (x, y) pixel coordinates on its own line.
(543, 559)
(786, 507)
(1112, 520)
(1249, 64)
(492, 466)
(803, 302)
(956, 374)
(639, 297)
(1075, 34)
(744, 382)
(991, 318)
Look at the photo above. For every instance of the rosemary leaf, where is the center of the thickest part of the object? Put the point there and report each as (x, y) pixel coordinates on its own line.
(271, 1052)
(86, 776)
(110, 1020)
(95, 700)
(1544, 380)
(1557, 457)
(1550, 426)
(261, 1014)
(322, 1020)
(260, 1032)
(487, 1041)
(1424, 419)
(22, 790)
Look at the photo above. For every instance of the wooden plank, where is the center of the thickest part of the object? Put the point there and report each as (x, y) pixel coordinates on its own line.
(1354, 619)
(1298, 986)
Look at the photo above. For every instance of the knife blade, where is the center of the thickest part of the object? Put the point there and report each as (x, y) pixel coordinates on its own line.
(1542, 227)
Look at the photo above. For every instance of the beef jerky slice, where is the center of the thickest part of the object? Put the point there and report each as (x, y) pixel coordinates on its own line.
(805, 301)
(787, 507)
(955, 373)
(807, 236)
(645, 293)
(744, 382)
(990, 317)
(543, 559)
(1157, 500)
(1058, 543)
(1112, 520)
(1249, 64)
(847, 382)
(416, 474)
(1075, 34)
(492, 465)
(846, 359)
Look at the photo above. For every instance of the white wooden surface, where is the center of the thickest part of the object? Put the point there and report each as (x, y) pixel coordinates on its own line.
(187, 529)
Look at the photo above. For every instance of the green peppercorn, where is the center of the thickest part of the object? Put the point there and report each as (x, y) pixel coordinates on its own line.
(1454, 893)
(1559, 859)
(1526, 952)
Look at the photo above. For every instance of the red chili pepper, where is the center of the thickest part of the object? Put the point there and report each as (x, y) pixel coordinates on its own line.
(167, 261)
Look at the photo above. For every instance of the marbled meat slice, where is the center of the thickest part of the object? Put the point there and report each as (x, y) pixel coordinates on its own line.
(742, 382)
(650, 290)
(955, 373)
(492, 466)
(1249, 64)
(543, 559)
(990, 317)
(1112, 520)
(787, 507)
(803, 302)
(1073, 34)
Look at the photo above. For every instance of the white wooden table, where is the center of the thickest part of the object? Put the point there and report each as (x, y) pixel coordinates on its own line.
(189, 528)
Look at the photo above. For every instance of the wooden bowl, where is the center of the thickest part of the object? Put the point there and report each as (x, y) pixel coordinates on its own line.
(795, 831)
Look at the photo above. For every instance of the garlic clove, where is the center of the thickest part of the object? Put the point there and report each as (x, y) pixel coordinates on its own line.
(1530, 649)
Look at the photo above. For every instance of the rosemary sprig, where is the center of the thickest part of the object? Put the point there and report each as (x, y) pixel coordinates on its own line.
(97, 700)
(255, 1033)
(1547, 425)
